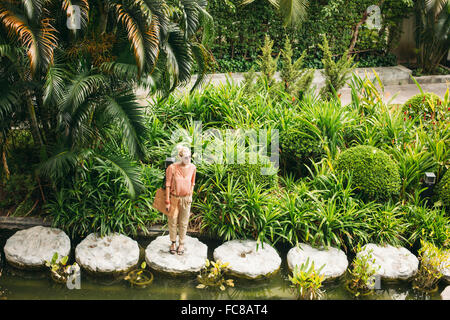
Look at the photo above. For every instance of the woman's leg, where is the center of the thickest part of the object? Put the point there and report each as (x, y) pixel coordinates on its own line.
(172, 222)
(183, 220)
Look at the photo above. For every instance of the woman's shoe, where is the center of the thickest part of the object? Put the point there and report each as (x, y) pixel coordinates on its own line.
(172, 251)
(180, 252)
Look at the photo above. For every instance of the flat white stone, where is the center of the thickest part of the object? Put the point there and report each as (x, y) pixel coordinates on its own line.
(193, 259)
(335, 260)
(30, 248)
(445, 268)
(114, 253)
(246, 261)
(395, 263)
(445, 295)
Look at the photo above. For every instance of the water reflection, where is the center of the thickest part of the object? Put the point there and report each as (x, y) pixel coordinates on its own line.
(20, 284)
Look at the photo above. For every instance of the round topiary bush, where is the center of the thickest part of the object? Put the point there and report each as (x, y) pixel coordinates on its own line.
(299, 146)
(427, 106)
(443, 189)
(374, 173)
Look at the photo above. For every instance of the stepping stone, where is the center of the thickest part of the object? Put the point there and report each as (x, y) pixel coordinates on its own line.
(193, 259)
(112, 254)
(445, 295)
(395, 263)
(30, 248)
(334, 259)
(446, 271)
(246, 260)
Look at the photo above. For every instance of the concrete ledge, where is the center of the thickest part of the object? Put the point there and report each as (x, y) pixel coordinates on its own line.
(396, 75)
(432, 79)
(19, 223)
(13, 223)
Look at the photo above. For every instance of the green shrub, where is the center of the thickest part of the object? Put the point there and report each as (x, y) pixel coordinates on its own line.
(253, 171)
(443, 189)
(336, 73)
(374, 173)
(299, 146)
(296, 80)
(17, 188)
(428, 107)
(431, 225)
(234, 207)
(432, 261)
(99, 202)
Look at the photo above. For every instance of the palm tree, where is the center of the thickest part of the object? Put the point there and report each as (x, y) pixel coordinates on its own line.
(293, 11)
(432, 32)
(77, 84)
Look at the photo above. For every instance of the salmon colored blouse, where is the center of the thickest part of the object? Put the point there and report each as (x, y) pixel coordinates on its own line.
(180, 185)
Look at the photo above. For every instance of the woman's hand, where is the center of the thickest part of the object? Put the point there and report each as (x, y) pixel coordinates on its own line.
(190, 198)
(167, 205)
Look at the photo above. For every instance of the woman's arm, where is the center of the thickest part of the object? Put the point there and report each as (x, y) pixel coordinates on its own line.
(193, 180)
(169, 175)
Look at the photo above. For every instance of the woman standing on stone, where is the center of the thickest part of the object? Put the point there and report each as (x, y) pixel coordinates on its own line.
(180, 181)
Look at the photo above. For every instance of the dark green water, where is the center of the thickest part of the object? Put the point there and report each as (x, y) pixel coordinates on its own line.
(16, 284)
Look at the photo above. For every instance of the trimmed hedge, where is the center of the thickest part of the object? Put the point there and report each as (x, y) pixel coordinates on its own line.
(374, 173)
(443, 189)
(298, 147)
(421, 105)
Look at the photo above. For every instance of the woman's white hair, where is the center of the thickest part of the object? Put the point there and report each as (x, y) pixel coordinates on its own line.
(182, 151)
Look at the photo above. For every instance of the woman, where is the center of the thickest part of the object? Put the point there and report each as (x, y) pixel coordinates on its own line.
(180, 181)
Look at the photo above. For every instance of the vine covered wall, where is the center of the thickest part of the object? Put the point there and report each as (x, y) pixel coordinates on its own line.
(240, 31)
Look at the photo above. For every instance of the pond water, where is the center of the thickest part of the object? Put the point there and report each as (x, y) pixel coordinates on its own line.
(17, 284)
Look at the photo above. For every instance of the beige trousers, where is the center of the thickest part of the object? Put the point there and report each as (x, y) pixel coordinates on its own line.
(180, 219)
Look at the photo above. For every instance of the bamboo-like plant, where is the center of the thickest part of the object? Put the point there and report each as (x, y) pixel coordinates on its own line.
(213, 275)
(362, 274)
(307, 280)
(432, 261)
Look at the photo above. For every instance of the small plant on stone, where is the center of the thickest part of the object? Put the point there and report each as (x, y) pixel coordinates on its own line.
(432, 261)
(362, 274)
(139, 277)
(59, 270)
(213, 275)
(307, 280)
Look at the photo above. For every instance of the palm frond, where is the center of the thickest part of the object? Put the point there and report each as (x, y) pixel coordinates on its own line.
(124, 108)
(80, 89)
(179, 57)
(293, 11)
(59, 164)
(54, 85)
(134, 33)
(38, 38)
(129, 172)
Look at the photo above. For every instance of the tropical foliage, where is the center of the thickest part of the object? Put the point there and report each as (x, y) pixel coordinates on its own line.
(72, 88)
(432, 32)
